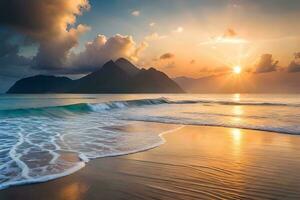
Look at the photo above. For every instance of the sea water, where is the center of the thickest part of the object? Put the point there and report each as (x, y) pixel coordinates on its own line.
(43, 137)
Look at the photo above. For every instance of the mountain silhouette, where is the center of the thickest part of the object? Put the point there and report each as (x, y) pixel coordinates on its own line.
(272, 82)
(113, 77)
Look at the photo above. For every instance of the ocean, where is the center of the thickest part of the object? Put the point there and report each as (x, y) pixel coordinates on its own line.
(43, 137)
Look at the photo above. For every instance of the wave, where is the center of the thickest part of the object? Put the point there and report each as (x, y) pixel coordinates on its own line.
(56, 111)
(82, 107)
(235, 103)
(106, 106)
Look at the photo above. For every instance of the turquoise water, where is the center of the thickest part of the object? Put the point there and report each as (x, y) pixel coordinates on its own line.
(38, 133)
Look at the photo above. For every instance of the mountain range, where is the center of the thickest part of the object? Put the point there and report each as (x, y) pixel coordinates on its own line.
(120, 76)
(272, 82)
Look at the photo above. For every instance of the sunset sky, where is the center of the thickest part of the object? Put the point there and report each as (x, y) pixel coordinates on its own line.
(192, 38)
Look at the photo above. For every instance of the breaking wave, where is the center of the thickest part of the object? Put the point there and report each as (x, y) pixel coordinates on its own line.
(99, 107)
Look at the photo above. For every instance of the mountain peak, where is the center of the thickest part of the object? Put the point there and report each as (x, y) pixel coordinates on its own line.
(127, 66)
(109, 63)
(122, 60)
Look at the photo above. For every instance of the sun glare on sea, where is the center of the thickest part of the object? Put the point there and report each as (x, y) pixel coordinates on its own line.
(237, 70)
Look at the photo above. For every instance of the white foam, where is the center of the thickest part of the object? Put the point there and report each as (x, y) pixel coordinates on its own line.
(85, 142)
(145, 148)
(72, 170)
(16, 157)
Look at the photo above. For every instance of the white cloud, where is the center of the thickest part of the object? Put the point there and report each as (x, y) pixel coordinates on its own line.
(152, 24)
(155, 36)
(103, 49)
(179, 29)
(230, 36)
(135, 13)
(223, 40)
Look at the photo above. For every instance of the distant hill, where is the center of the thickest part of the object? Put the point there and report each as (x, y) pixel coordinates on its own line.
(273, 82)
(113, 77)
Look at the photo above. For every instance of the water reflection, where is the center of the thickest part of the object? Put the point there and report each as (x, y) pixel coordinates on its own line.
(74, 191)
(237, 97)
(237, 137)
(238, 112)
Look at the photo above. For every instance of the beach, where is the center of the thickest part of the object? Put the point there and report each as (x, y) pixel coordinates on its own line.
(196, 162)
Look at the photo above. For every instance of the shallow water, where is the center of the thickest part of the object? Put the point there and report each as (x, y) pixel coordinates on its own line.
(38, 133)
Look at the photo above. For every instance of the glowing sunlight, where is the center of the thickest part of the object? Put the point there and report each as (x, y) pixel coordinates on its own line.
(237, 69)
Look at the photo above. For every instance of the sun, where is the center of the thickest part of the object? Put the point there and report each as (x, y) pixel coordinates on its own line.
(237, 69)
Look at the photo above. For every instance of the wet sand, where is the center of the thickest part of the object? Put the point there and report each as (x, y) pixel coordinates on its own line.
(195, 163)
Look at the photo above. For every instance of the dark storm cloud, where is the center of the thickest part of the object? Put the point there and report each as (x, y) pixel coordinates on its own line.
(12, 65)
(46, 22)
(6, 48)
(14, 59)
(266, 64)
(9, 51)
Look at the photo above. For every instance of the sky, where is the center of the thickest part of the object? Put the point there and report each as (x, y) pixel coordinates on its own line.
(194, 38)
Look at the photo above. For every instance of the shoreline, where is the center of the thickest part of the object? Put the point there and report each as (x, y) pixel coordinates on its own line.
(222, 126)
(180, 153)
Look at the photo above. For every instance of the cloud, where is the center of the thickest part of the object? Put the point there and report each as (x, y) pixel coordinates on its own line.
(266, 64)
(152, 24)
(230, 36)
(294, 67)
(103, 49)
(192, 62)
(179, 29)
(9, 51)
(170, 65)
(155, 36)
(166, 56)
(215, 70)
(14, 59)
(53, 54)
(50, 23)
(7, 48)
(229, 33)
(297, 55)
(136, 13)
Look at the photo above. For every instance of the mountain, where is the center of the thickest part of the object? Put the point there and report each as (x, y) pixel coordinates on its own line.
(113, 77)
(127, 66)
(153, 81)
(273, 82)
(40, 84)
(109, 79)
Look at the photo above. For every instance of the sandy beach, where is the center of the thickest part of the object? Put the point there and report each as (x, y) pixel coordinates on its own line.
(194, 163)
